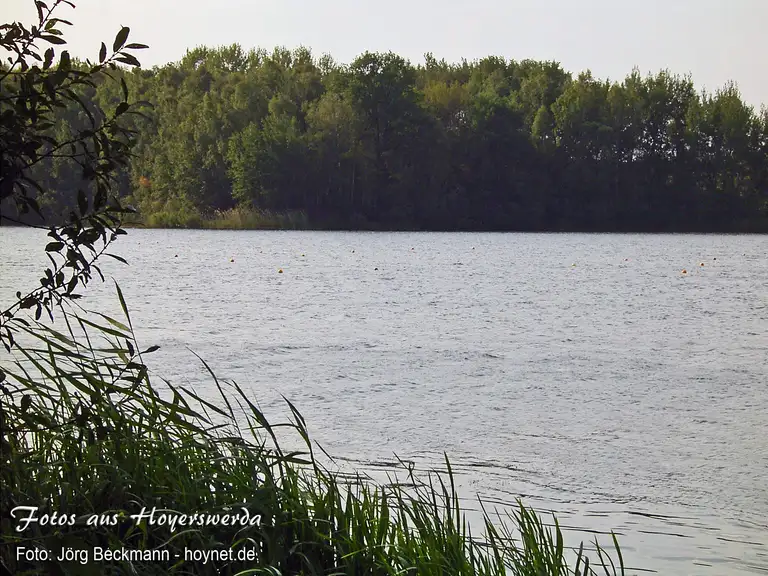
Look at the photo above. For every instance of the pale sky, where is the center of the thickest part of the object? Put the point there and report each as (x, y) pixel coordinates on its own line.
(715, 40)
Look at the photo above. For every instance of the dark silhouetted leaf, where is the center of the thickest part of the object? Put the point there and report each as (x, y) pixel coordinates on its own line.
(64, 60)
(116, 257)
(128, 59)
(48, 58)
(120, 39)
(53, 39)
(28, 303)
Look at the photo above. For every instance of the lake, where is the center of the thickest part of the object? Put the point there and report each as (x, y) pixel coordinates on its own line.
(584, 373)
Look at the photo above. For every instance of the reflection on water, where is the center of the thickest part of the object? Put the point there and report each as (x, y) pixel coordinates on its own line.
(583, 373)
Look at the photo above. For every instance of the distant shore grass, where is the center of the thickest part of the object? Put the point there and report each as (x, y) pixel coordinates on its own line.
(233, 219)
(87, 433)
(179, 216)
(251, 219)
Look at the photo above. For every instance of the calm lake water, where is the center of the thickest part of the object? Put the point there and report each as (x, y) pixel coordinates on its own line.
(583, 373)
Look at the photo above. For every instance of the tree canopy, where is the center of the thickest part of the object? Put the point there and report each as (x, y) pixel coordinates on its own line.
(379, 143)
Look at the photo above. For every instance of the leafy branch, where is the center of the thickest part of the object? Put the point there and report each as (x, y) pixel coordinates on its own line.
(33, 87)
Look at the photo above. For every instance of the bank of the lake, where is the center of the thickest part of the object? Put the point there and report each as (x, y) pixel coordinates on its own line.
(253, 219)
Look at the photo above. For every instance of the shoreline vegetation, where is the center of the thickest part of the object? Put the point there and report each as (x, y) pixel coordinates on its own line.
(253, 220)
(240, 218)
(237, 139)
(232, 219)
(88, 438)
(248, 218)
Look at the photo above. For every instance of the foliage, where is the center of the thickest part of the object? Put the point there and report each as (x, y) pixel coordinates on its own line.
(39, 101)
(486, 145)
(238, 218)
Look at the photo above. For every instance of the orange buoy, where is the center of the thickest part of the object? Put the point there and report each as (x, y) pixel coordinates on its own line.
(280, 271)
(685, 272)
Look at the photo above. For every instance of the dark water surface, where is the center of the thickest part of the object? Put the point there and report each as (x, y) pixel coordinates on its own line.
(584, 373)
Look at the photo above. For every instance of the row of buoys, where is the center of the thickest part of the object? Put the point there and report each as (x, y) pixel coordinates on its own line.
(683, 271)
(304, 255)
(280, 271)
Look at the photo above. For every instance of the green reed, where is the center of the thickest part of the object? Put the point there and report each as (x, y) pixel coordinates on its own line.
(85, 431)
(233, 219)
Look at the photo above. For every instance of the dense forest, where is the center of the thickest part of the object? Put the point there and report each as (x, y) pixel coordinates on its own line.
(232, 135)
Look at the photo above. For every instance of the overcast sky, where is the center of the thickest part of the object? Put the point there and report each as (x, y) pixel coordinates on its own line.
(715, 40)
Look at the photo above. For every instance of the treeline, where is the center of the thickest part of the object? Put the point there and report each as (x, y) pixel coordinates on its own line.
(383, 144)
